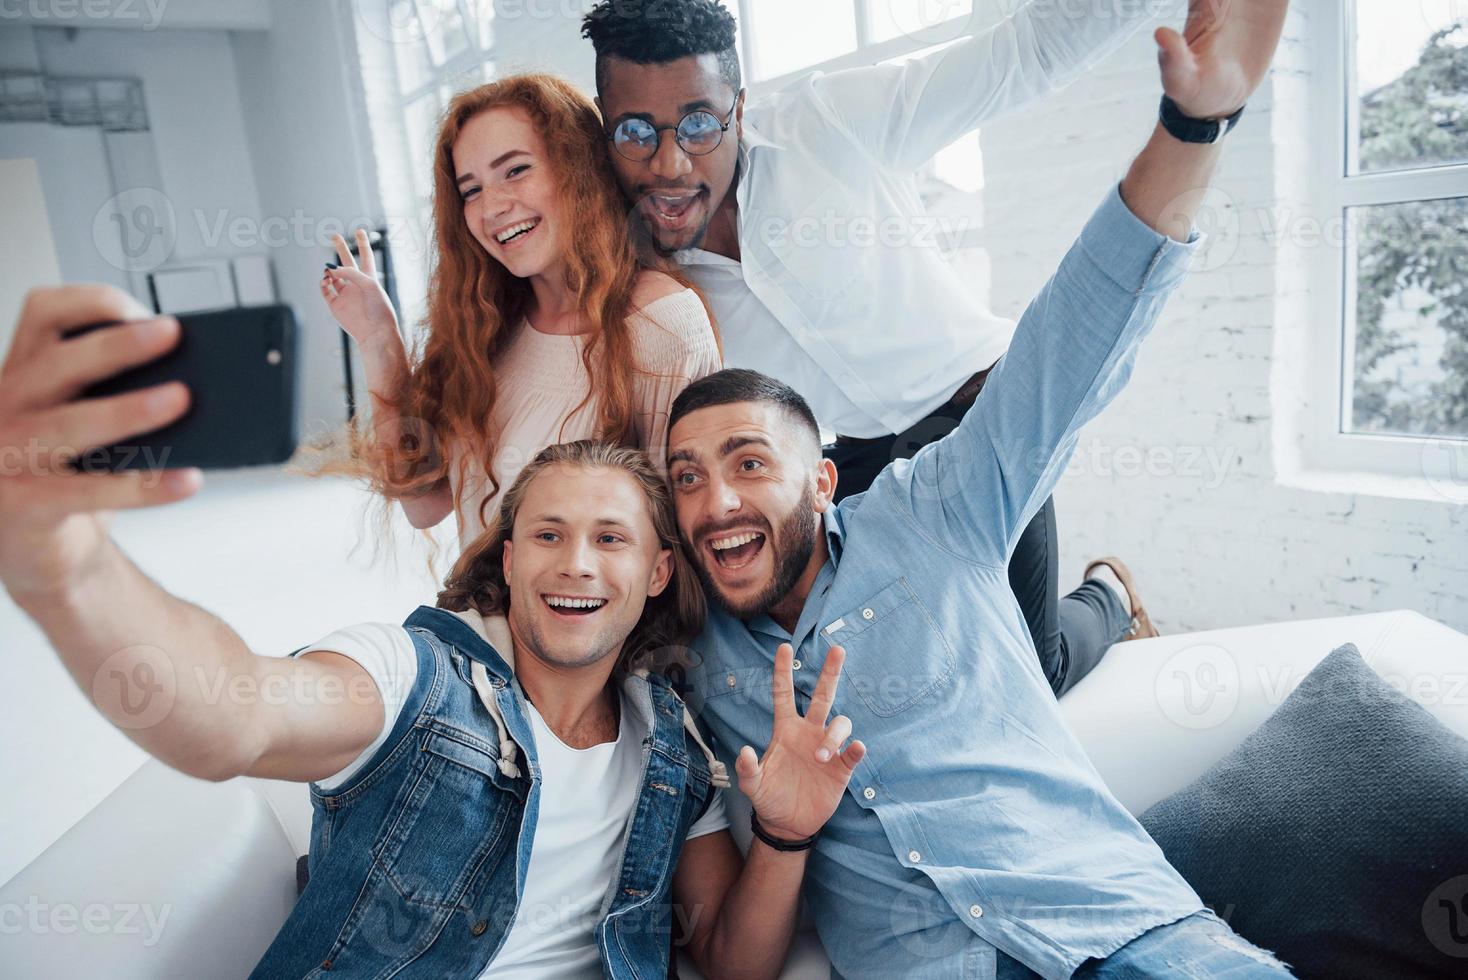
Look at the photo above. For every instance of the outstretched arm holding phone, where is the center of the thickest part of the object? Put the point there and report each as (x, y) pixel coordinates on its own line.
(96, 607)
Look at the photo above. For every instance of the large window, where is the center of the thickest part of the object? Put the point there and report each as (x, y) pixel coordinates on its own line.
(781, 40)
(440, 48)
(1395, 396)
(416, 55)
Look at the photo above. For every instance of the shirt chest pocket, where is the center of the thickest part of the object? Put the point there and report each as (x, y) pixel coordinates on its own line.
(821, 250)
(896, 657)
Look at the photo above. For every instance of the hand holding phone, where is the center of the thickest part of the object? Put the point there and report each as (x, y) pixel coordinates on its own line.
(239, 366)
(52, 524)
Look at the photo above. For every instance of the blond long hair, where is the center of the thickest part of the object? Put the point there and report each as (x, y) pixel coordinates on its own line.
(670, 621)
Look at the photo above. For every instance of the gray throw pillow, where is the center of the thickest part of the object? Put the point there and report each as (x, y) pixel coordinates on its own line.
(1337, 834)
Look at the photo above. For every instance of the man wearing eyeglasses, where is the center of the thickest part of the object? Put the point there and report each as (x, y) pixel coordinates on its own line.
(806, 233)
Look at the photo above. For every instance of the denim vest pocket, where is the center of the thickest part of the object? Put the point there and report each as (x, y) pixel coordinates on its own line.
(895, 654)
(451, 813)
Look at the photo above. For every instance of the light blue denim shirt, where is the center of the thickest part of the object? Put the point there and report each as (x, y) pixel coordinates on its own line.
(975, 821)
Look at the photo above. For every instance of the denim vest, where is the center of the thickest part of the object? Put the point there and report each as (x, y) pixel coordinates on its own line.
(417, 861)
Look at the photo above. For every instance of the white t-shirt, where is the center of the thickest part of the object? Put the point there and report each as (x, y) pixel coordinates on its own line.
(586, 802)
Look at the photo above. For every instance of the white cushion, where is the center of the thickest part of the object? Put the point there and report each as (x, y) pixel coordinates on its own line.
(1156, 714)
(168, 877)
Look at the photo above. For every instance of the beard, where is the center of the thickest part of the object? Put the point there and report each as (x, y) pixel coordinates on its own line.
(791, 546)
(646, 235)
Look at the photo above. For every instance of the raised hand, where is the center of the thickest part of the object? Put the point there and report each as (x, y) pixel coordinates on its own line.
(797, 784)
(1214, 66)
(357, 300)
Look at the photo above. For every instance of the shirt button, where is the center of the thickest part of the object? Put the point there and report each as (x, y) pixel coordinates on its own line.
(976, 911)
(867, 614)
(479, 927)
(795, 665)
(730, 680)
(914, 856)
(869, 793)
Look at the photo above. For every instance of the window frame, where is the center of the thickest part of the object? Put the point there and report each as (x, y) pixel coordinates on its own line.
(1328, 444)
(866, 52)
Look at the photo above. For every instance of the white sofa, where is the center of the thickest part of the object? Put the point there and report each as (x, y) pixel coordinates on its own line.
(170, 876)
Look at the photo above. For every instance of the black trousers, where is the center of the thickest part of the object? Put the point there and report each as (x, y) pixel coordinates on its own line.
(1071, 632)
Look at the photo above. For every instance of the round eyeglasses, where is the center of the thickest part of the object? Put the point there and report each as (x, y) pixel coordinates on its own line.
(697, 133)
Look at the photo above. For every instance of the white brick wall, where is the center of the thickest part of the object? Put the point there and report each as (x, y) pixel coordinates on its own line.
(1209, 550)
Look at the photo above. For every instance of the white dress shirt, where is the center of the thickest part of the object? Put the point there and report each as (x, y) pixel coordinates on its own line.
(843, 291)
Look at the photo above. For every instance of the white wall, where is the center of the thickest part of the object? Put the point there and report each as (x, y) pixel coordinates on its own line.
(1213, 536)
(304, 119)
(194, 112)
(27, 252)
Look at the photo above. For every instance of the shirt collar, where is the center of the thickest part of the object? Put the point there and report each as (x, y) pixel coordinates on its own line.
(833, 527)
(834, 524)
(753, 140)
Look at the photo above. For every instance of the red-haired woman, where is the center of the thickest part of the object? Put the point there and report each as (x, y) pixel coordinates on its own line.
(546, 324)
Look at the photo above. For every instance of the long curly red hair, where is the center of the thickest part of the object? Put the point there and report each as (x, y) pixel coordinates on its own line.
(474, 303)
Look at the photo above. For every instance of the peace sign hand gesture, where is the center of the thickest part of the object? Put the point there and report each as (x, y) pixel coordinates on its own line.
(796, 786)
(356, 298)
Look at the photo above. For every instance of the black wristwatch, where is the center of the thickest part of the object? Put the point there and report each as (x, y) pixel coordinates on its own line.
(1191, 130)
(778, 843)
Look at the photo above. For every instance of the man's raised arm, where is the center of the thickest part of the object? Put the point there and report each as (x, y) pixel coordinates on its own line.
(117, 632)
(974, 491)
(906, 113)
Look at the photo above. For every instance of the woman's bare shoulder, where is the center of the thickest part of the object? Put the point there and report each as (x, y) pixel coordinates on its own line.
(671, 327)
(652, 286)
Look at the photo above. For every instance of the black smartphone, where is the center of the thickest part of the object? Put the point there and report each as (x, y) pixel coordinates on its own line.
(240, 366)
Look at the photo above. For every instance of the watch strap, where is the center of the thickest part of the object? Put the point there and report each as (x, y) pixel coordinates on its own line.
(1190, 130)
